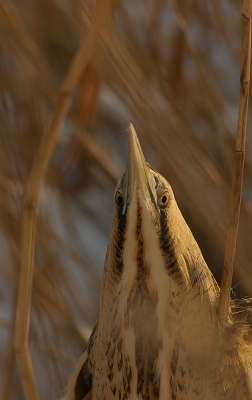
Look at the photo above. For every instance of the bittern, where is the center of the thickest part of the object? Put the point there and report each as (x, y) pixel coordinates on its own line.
(158, 334)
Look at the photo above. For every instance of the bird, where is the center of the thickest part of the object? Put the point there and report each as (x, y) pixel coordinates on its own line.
(158, 335)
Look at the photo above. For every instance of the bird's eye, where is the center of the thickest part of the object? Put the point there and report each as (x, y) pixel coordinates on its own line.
(119, 199)
(164, 199)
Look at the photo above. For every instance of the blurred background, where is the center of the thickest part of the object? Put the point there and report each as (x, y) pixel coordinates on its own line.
(171, 67)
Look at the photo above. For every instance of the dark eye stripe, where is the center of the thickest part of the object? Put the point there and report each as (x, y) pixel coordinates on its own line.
(142, 267)
(120, 240)
(156, 181)
(167, 246)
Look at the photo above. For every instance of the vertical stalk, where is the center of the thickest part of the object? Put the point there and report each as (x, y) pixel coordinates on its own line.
(235, 202)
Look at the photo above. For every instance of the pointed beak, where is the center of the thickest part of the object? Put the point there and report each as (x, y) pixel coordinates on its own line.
(138, 173)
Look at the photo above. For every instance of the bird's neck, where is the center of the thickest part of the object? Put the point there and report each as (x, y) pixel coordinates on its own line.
(159, 304)
(152, 301)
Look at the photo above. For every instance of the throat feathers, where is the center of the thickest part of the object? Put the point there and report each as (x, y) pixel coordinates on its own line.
(158, 334)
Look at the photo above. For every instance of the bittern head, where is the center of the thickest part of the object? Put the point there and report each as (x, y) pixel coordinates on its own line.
(155, 280)
(148, 233)
(149, 241)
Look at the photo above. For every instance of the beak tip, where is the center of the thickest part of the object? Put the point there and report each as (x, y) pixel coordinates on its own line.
(131, 127)
(132, 132)
(134, 145)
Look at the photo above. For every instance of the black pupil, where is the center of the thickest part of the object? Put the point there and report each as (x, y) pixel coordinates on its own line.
(164, 198)
(119, 199)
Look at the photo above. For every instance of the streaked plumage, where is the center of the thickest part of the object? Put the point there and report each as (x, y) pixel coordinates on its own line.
(158, 334)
